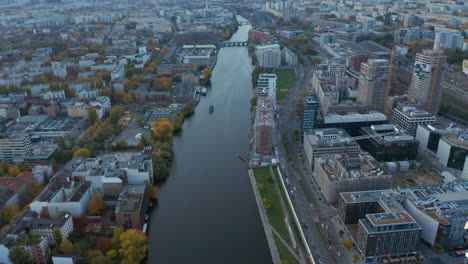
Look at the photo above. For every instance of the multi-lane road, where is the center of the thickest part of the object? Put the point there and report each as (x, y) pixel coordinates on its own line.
(299, 177)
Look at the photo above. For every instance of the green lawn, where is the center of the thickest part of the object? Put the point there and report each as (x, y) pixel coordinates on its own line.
(268, 191)
(285, 80)
(285, 255)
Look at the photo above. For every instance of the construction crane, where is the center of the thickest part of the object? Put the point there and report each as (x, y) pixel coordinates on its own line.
(388, 108)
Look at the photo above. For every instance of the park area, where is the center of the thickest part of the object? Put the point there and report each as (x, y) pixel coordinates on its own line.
(285, 79)
(271, 202)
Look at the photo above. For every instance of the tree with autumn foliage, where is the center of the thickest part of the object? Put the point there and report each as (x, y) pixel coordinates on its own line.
(66, 247)
(82, 153)
(14, 171)
(207, 73)
(152, 190)
(10, 212)
(164, 84)
(96, 205)
(163, 130)
(34, 188)
(133, 246)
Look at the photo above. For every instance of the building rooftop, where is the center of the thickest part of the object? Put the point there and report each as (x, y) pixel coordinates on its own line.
(63, 190)
(390, 218)
(393, 133)
(329, 137)
(440, 202)
(413, 112)
(339, 167)
(131, 198)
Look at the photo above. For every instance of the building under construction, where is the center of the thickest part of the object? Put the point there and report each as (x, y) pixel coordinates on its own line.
(263, 130)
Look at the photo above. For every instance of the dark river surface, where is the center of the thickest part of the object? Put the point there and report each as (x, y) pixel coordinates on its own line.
(207, 211)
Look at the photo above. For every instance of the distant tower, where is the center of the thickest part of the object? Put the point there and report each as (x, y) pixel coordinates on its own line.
(426, 83)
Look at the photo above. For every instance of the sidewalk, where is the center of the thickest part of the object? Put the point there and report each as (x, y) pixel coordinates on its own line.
(349, 252)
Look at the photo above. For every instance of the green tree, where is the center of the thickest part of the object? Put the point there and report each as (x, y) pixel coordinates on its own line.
(66, 247)
(131, 25)
(57, 236)
(341, 233)
(115, 114)
(92, 115)
(19, 256)
(133, 247)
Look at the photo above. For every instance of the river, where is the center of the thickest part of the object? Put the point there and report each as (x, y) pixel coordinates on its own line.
(206, 209)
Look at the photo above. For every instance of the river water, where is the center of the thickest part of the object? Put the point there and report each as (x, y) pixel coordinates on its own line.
(207, 211)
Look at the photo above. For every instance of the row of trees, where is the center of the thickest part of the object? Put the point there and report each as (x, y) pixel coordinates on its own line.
(161, 135)
(93, 138)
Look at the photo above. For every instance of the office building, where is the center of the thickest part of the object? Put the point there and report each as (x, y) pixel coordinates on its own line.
(394, 144)
(14, 147)
(438, 210)
(336, 173)
(410, 20)
(352, 121)
(368, 24)
(266, 85)
(132, 206)
(269, 57)
(373, 82)
(201, 59)
(441, 212)
(409, 117)
(427, 81)
(310, 112)
(326, 38)
(290, 57)
(450, 145)
(448, 40)
(381, 228)
(319, 142)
